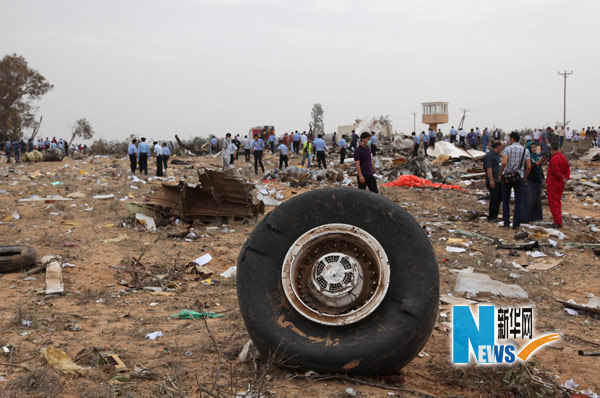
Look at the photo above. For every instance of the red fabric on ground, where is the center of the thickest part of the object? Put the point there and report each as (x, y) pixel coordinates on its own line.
(409, 180)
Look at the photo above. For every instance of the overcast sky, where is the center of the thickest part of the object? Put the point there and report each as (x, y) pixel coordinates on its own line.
(198, 67)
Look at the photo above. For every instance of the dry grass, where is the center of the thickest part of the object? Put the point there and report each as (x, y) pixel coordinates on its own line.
(41, 382)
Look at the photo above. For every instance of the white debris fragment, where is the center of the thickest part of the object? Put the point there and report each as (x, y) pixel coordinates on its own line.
(203, 260)
(571, 311)
(453, 249)
(231, 271)
(570, 384)
(154, 335)
(104, 197)
(267, 200)
(474, 282)
(146, 221)
(536, 254)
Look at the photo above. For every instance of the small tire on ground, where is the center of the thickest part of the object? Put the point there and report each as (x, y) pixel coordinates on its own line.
(16, 258)
(384, 341)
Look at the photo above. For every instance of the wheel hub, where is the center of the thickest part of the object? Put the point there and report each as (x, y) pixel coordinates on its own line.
(335, 274)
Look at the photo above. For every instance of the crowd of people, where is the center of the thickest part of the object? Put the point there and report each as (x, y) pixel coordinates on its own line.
(306, 147)
(481, 139)
(517, 169)
(14, 149)
(510, 168)
(140, 152)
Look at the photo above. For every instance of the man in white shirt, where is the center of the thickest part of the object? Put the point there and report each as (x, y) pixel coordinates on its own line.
(303, 138)
(560, 132)
(536, 135)
(229, 150)
(158, 157)
(461, 136)
(246, 143)
(568, 134)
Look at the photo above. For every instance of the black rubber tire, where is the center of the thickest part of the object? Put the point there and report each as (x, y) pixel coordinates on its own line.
(388, 338)
(16, 258)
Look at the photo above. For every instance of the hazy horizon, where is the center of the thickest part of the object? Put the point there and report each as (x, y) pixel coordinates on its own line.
(201, 67)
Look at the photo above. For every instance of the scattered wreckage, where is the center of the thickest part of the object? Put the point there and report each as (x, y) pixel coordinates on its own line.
(47, 155)
(217, 194)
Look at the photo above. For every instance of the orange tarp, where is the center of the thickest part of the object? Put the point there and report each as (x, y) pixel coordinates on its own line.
(414, 181)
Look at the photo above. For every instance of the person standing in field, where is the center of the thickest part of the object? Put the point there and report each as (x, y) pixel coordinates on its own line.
(213, 145)
(532, 191)
(7, 150)
(364, 165)
(166, 154)
(143, 152)
(158, 157)
(133, 155)
(559, 173)
(453, 133)
(516, 165)
(320, 148)
(354, 140)
(258, 145)
(491, 164)
(485, 139)
(307, 151)
(417, 142)
(342, 145)
(283, 154)
(246, 144)
(374, 143)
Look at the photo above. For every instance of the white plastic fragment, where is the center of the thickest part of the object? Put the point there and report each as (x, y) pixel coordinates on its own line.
(154, 335)
(146, 221)
(570, 384)
(203, 260)
(536, 254)
(453, 249)
(231, 271)
(474, 282)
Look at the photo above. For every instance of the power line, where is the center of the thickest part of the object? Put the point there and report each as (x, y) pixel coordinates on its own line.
(565, 74)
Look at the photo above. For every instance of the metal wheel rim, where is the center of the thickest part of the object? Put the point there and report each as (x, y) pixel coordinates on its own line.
(335, 274)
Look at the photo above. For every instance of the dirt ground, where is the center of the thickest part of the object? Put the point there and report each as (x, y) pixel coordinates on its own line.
(98, 309)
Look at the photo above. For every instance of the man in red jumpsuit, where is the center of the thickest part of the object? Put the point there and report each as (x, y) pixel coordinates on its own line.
(558, 174)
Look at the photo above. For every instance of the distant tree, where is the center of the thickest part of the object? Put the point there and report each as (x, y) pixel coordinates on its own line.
(82, 129)
(317, 119)
(20, 86)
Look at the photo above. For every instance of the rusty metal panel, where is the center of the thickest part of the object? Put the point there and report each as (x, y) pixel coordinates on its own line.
(217, 194)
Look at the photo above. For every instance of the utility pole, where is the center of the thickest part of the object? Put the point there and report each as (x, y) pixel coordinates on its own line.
(565, 74)
(462, 120)
(415, 121)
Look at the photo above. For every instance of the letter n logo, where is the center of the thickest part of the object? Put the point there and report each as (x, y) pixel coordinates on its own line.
(465, 330)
